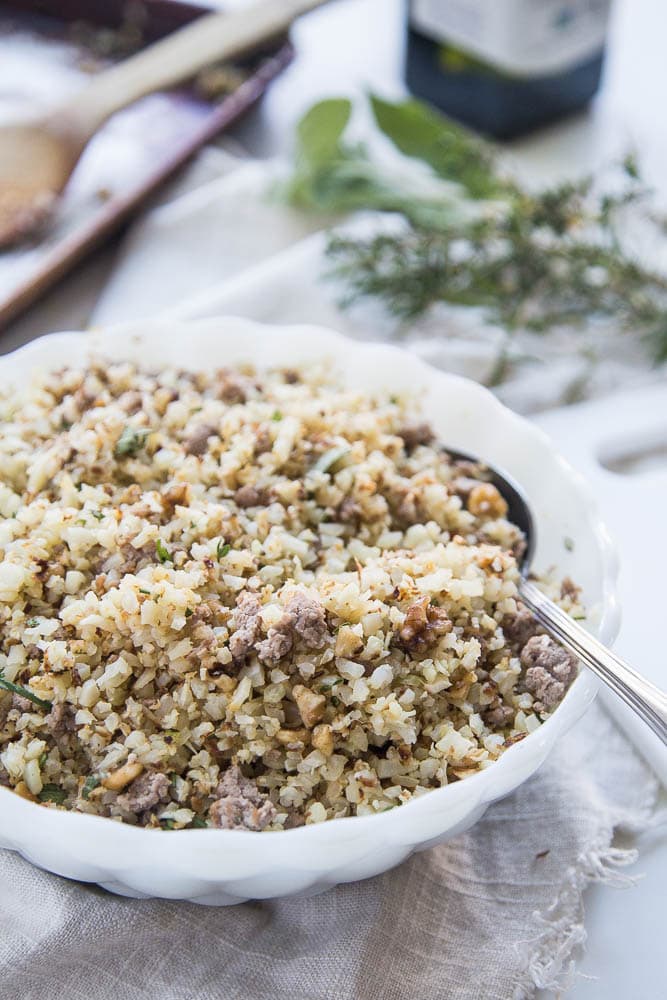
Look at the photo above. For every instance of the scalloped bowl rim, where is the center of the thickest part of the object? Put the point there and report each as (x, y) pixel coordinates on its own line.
(398, 826)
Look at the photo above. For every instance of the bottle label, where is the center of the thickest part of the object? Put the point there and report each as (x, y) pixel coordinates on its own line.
(519, 37)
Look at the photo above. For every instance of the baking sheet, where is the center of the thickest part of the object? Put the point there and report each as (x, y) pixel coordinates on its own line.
(43, 60)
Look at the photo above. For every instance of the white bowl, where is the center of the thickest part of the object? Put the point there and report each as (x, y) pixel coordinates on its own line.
(221, 867)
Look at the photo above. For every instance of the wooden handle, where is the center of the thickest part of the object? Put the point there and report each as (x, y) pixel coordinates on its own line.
(177, 57)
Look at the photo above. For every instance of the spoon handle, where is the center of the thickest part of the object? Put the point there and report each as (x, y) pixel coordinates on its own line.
(178, 57)
(648, 701)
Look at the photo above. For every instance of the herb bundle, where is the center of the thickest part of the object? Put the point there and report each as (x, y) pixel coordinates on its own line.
(532, 261)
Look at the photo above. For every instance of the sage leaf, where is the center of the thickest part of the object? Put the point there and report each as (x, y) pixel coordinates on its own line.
(320, 131)
(453, 153)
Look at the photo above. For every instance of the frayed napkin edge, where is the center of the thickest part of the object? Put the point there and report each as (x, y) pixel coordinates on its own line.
(549, 957)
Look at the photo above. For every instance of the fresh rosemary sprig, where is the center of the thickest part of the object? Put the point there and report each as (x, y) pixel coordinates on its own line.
(24, 692)
(532, 261)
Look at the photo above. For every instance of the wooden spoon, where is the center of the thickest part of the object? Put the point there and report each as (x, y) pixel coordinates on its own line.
(37, 157)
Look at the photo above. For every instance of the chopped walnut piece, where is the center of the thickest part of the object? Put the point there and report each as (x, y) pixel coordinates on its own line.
(423, 625)
(323, 739)
(175, 495)
(347, 641)
(25, 793)
(569, 589)
(122, 776)
(287, 737)
(311, 706)
(485, 501)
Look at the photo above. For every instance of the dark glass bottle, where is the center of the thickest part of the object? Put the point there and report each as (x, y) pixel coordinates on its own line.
(506, 67)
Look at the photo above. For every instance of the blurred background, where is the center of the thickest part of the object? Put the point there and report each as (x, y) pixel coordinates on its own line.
(47, 50)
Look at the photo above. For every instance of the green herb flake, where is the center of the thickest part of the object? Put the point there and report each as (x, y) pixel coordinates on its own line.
(167, 824)
(32, 622)
(146, 592)
(568, 543)
(328, 685)
(131, 441)
(162, 551)
(223, 549)
(43, 759)
(24, 692)
(415, 680)
(199, 824)
(631, 166)
(276, 415)
(188, 612)
(89, 785)
(52, 793)
(98, 515)
(330, 458)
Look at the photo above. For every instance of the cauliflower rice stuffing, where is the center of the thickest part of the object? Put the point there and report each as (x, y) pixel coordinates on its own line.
(252, 601)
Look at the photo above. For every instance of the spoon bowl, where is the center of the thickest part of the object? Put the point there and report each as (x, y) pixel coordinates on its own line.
(518, 508)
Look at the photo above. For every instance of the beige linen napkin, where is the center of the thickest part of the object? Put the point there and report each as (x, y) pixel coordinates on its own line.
(493, 915)
(488, 916)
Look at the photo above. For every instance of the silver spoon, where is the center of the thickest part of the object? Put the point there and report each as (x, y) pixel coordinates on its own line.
(648, 701)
